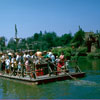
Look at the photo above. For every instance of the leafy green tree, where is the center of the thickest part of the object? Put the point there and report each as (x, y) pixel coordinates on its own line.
(12, 44)
(78, 38)
(66, 38)
(36, 36)
(58, 41)
(50, 38)
(2, 43)
(22, 44)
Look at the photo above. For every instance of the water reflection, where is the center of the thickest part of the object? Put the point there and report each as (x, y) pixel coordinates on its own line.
(16, 90)
(12, 89)
(89, 64)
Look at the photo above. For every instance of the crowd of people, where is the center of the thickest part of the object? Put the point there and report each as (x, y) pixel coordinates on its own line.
(19, 62)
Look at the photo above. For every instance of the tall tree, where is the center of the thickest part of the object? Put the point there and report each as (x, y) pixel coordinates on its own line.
(50, 38)
(12, 44)
(78, 38)
(2, 43)
(66, 38)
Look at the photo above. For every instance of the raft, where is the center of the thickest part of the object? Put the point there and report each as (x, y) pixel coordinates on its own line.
(45, 78)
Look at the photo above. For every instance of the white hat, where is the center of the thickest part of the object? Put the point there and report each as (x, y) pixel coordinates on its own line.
(9, 53)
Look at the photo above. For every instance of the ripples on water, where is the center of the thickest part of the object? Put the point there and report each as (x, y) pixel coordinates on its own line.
(83, 83)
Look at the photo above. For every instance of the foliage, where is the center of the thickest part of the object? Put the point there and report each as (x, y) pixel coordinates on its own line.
(78, 37)
(91, 55)
(44, 41)
(97, 50)
(66, 51)
(48, 40)
(66, 38)
(22, 44)
(2, 43)
(94, 55)
(82, 50)
(12, 44)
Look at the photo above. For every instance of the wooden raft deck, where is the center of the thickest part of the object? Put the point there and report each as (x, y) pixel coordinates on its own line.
(44, 78)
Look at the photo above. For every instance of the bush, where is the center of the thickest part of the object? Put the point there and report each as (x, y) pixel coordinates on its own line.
(55, 51)
(93, 55)
(82, 51)
(66, 51)
(97, 50)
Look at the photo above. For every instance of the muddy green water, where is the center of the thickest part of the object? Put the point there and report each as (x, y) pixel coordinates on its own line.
(84, 88)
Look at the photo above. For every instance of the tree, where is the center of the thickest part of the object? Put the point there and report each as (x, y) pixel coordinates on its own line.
(22, 44)
(2, 43)
(66, 38)
(36, 36)
(50, 38)
(12, 44)
(78, 38)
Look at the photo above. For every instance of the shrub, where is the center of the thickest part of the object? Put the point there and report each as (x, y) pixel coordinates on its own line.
(66, 51)
(93, 55)
(82, 51)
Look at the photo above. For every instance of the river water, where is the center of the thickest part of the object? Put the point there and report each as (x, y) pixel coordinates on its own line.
(84, 88)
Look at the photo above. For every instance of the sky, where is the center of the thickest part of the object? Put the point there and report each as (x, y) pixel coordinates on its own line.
(60, 16)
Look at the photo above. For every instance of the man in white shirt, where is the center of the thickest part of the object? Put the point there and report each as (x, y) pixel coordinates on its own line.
(7, 64)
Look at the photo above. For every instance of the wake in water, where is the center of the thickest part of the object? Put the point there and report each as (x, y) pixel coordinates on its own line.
(84, 83)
